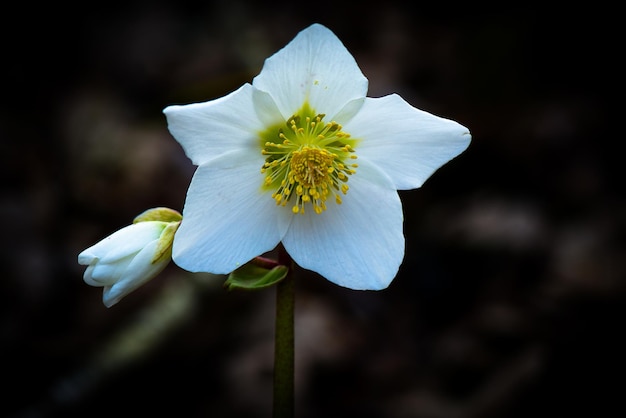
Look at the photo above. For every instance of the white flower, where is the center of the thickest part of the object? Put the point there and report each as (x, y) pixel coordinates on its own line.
(277, 162)
(129, 257)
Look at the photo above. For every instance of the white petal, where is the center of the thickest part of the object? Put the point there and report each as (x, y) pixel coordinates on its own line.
(131, 239)
(358, 244)
(407, 143)
(266, 108)
(139, 271)
(227, 218)
(120, 244)
(349, 110)
(87, 276)
(105, 274)
(86, 257)
(315, 67)
(210, 129)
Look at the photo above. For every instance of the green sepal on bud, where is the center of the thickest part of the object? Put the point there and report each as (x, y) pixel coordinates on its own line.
(169, 216)
(164, 246)
(159, 214)
(251, 276)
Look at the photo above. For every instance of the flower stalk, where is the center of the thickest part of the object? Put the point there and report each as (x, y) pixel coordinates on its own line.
(284, 341)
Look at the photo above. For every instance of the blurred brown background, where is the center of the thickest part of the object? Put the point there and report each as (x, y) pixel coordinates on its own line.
(509, 303)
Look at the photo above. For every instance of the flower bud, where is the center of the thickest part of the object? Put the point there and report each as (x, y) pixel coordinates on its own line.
(132, 256)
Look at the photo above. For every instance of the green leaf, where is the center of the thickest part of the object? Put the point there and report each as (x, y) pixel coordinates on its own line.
(251, 277)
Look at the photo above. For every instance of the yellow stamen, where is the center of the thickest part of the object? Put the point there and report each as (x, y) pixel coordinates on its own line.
(306, 164)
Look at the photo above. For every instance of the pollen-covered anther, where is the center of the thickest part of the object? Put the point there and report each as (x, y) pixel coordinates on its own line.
(307, 164)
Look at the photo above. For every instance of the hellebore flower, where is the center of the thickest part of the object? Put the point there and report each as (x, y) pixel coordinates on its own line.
(132, 256)
(277, 162)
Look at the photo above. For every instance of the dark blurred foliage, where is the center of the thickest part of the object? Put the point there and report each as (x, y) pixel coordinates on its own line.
(510, 300)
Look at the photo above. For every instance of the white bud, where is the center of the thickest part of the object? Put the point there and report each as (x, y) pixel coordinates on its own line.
(128, 258)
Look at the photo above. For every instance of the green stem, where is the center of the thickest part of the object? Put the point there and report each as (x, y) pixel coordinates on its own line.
(284, 341)
(267, 263)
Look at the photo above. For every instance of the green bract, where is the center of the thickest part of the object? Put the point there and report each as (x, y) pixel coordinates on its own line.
(251, 277)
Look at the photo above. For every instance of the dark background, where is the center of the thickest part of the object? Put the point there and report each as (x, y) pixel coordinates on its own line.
(510, 300)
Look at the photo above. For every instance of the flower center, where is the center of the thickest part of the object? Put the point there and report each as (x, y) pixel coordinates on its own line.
(306, 161)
